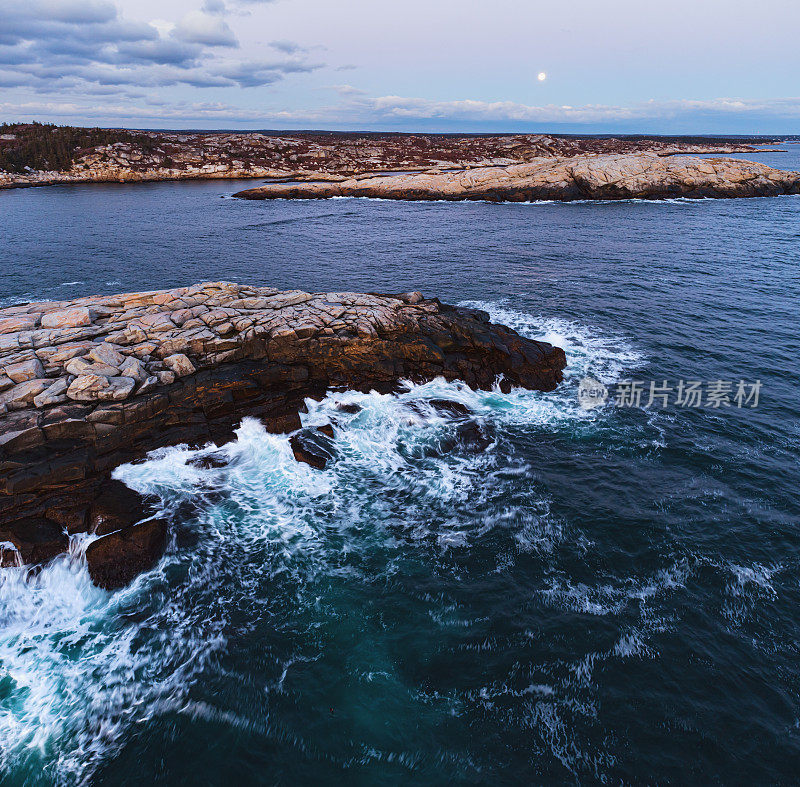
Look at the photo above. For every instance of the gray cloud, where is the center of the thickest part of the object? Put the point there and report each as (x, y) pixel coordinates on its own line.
(57, 45)
(76, 12)
(255, 73)
(214, 7)
(289, 47)
(41, 21)
(164, 51)
(204, 28)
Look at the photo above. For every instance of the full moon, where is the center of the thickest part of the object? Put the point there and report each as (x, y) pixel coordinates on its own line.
(541, 76)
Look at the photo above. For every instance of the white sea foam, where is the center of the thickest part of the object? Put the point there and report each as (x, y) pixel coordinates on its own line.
(755, 576)
(591, 351)
(615, 598)
(747, 587)
(75, 677)
(666, 201)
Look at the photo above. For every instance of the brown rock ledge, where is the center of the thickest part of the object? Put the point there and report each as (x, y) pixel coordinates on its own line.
(639, 175)
(90, 384)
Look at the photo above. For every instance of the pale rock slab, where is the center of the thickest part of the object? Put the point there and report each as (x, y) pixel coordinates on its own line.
(24, 322)
(80, 367)
(107, 354)
(24, 371)
(165, 378)
(53, 394)
(133, 367)
(89, 387)
(23, 394)
(180, 364)
(68, 318)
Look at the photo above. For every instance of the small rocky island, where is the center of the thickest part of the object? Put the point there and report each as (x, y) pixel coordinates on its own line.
(89, 384)
(586, 176)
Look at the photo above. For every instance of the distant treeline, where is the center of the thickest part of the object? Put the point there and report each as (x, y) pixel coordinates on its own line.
(42, 146)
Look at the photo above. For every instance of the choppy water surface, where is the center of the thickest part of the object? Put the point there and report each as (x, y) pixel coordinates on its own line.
(608, 595)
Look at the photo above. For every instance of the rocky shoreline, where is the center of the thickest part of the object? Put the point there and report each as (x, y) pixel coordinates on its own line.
(89, 384)
(596, 177)
(148, 156)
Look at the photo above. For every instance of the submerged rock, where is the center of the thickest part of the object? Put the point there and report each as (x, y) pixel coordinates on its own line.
(474, 436)
(351, 409)
(449, 407)
(465, 436)
(214, 461)
(313, 446)
(117, 558)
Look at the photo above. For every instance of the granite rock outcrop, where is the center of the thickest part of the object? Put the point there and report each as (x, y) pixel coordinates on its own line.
(625, 176)
(90, 384)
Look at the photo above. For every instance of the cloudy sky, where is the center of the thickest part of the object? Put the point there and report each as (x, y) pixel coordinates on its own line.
(436, 65)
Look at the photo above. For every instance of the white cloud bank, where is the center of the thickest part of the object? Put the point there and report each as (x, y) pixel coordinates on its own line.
(58, 46)
(364, 112)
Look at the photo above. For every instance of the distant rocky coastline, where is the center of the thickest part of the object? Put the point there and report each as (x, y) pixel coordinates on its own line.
(146, 156)
(590, 176)
(89, 384)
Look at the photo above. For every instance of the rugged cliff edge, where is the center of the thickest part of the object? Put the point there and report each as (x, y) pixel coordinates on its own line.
(89, 384)
(640, 175)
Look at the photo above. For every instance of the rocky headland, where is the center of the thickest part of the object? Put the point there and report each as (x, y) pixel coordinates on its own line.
(36, 155)
(589, 176)
(89, 384)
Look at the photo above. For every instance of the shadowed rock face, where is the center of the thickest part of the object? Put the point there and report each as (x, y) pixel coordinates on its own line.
(117, 558)
(30, 540)
(90, 384)
(641, 175)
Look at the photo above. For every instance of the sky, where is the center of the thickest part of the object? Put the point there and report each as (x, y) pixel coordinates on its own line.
(572, 66)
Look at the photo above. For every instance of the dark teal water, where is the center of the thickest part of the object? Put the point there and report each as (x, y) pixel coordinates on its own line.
(594, 596)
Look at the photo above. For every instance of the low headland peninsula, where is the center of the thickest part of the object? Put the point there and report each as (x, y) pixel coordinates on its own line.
(89, 384)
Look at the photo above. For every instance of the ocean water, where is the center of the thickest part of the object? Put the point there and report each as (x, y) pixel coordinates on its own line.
(594, 596)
